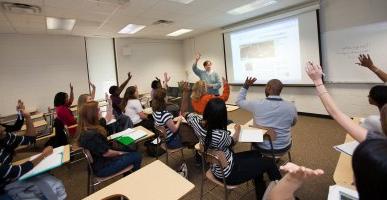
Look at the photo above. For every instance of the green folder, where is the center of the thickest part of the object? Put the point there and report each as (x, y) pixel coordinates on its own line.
(125, 140)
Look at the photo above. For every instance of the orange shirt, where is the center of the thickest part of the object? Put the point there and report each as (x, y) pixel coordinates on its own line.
(199, 105)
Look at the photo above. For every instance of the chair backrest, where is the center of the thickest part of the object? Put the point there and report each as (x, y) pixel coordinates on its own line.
(270, 135)
(216, 157)
(162, 131)
(88, 156)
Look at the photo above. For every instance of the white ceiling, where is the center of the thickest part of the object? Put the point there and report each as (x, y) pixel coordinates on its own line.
(106, 17)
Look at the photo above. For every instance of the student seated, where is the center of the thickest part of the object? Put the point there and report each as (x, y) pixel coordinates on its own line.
(242, 166)
(10, 188)
(200, 96)
(377, 97)
(156, 84)
(369, 160)
(62, 104)
(271, 112)
(131, 106)
(92, 136)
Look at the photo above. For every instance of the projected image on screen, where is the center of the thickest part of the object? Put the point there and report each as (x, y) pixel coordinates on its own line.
(267, 51)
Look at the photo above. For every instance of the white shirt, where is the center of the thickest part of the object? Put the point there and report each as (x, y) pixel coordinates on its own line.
(132, 109)
(372, 123)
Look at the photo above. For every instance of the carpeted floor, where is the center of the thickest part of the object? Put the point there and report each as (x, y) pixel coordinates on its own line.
(313, 139)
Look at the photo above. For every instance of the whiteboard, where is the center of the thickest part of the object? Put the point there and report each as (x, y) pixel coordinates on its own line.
(35, 67)
(342, 47)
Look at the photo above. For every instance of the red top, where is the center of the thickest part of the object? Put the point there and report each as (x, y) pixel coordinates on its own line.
(65, 115)
(200, 105)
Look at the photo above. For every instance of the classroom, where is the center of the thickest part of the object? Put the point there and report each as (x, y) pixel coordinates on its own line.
(193, 99)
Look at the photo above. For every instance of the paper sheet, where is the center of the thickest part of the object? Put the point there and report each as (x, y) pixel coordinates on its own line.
(249, 134)
(347, 148)
(50, 162)
(119, 134)
(231, 108)
(137, 134)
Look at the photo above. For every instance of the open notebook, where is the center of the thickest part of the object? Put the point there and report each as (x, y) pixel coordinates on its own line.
(52, 161)
(128, 136)
(249, 134)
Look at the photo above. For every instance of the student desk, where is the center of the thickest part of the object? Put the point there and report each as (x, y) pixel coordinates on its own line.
(66, 157)
(343, 174)
(231, 108)
(37, 124)
(149, 134)
(154, 181)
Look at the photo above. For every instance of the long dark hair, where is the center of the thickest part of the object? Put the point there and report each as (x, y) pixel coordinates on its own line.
(60, 99)
(158, 102)
(369, 163)
(215, 116)
(129, 94)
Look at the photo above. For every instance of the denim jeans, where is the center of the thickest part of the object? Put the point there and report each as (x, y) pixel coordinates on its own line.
(120, 163)
(174, 142)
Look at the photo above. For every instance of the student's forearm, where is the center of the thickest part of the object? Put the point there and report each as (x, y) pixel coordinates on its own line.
(38, 159)
(184, 102)
(379, 72)
(71, 99)
(30, 129)
(92, 93)
(123, 85)
(285, 188)
(112, 153)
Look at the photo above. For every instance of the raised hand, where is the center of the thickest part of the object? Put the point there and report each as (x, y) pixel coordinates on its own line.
(129, 76)
(365, 61)
(314, 72)
(166, 78)
(71, 87)
(224, 80)
(249, 82)
(197, 56)
(185, 86)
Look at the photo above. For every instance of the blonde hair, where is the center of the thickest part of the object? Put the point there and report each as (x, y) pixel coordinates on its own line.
(89, 118)
(198, 90)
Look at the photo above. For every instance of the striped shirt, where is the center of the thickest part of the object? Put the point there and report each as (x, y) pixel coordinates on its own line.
(8, 144)
(221, 140)
(161, 119)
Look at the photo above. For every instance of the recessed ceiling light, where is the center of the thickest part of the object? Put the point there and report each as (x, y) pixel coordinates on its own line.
(183, 1)
(251, 6)
(179, 32)
(54, 23)
(131, 29)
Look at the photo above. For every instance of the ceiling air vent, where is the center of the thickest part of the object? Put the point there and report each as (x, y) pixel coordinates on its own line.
(162, 21)
(20, 8)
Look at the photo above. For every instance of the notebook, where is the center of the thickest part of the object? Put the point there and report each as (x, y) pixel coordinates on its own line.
(347, 148)
(131, 137)
(52, 161)
(122, 133)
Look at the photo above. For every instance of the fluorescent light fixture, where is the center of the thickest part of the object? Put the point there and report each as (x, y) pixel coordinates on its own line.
(251, 6)
(183, 1)
(54, 23)
(131, 29)
(179, 32)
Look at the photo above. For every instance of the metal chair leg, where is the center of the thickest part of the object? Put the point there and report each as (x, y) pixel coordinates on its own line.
(203, 177)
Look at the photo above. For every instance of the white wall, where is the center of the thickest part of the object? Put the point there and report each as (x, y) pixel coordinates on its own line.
(35, 67)
(352, 98)
(148, 59)
(101, 64)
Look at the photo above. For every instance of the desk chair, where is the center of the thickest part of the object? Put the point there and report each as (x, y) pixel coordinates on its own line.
(75, 149)
(161, 132)
(218, 158)
(95, 180)
(272, 135)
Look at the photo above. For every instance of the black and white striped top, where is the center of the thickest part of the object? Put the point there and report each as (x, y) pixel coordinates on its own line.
(221, 140)
(8, 144)
(161, 119)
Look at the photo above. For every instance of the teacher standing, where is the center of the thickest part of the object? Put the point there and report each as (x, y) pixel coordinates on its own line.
(210, 77)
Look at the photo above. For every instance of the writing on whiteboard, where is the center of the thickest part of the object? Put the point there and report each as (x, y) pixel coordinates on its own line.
(352, 51)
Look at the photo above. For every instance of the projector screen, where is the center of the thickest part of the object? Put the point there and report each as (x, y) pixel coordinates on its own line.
(276, 49)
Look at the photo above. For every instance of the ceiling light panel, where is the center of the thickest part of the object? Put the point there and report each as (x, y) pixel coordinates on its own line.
(179, 32)
(54, 23)
(255, 5)
(131, 29)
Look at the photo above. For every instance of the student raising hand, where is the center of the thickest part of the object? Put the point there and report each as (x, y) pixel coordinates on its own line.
(366, 61)
(249, 82)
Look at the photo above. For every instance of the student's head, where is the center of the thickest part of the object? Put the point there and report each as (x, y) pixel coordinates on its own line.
(89, 118)
(61, 98)
(158, 102)
(198, 90)
(156, 84)
(378, 96)
(130, 93)
(207, 65)
(369, 163)
(215, 117)
(82, 99)
(383, 118)
(113, 90)
(273, 87)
